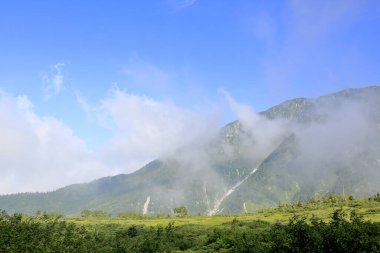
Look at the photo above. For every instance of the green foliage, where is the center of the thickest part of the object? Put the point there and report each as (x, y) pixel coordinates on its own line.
(340, 235)
(180, 211)
(132, 216)
(85, 213)
(376, 197)
(20, 234)
(345, 232)
(94, 214)
(44, 215)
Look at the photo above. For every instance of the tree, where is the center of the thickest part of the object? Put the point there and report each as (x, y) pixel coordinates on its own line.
(180, 211)
(86, 213)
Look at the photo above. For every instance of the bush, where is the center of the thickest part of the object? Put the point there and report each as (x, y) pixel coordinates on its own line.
(346, 232)
(180, 211)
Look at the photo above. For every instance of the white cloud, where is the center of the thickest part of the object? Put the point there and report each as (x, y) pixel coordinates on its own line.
(180, 4)
(244, 113)
(53, 81)
(262, 135)
(145, 129)
(40, 153)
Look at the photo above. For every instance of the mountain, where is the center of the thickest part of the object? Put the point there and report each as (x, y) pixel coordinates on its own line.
(299, 149)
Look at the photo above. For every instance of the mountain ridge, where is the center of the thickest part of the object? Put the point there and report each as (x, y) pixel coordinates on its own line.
(200, 179)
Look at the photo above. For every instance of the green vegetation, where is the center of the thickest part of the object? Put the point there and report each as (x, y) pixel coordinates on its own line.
(94, 214)
(344, 233)
(180, 211)
(330, 224)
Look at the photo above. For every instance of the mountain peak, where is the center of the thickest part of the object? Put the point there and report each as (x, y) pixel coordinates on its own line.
(321, 145)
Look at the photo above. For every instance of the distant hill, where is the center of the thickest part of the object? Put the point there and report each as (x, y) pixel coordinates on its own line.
(296, 150)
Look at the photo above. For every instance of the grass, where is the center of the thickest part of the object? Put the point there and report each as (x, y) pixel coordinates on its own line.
(368, 209)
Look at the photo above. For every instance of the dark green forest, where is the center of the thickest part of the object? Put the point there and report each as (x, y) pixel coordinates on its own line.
(345, 232)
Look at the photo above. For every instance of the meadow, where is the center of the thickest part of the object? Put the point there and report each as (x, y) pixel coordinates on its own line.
(368, 209)
(329, 224)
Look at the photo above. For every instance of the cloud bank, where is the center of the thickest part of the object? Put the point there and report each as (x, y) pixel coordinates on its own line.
(39, 153)
(43, 153)
(145, 128)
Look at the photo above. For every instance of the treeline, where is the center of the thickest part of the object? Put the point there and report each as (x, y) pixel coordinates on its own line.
(346, 232)
(324, 202)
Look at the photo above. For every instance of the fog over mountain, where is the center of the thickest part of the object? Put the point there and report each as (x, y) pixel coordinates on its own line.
(296, 150)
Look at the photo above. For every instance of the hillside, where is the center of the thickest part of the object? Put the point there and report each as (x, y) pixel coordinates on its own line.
(296, 150)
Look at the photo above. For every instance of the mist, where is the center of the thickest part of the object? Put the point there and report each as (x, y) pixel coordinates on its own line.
(210, 164)
(332, 146)
(299, 149)
(343, 146)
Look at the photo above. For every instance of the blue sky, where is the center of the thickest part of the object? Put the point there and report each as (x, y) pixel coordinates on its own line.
(111, 75)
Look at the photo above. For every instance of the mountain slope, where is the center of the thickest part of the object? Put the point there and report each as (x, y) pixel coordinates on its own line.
(295, 150)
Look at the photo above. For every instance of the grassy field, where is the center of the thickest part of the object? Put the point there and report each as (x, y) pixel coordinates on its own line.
(368, 209)
(342, 225)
